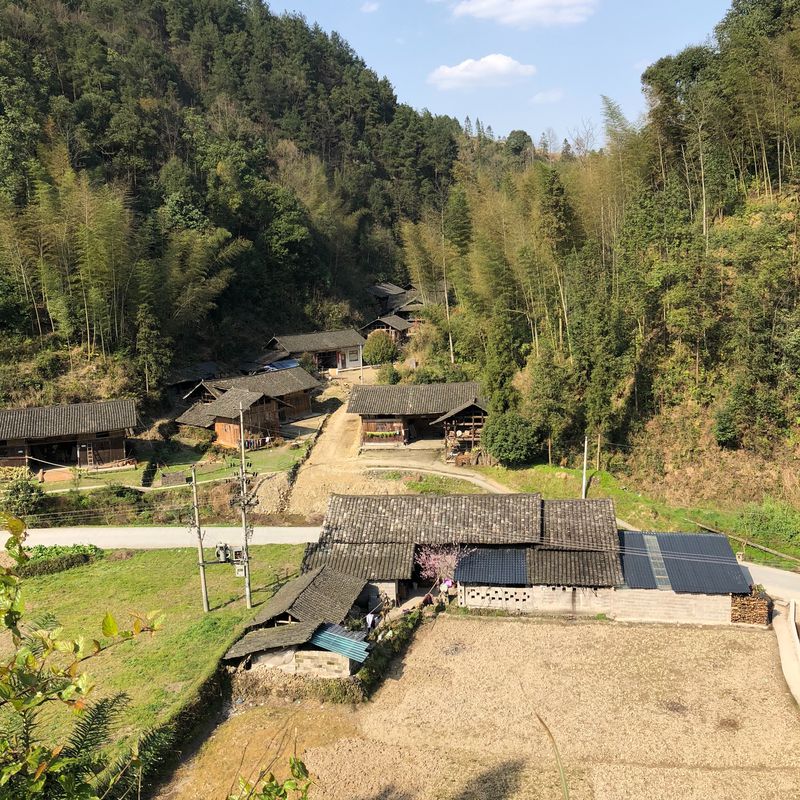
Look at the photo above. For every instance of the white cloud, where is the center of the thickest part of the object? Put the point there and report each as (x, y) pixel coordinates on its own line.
(523, 13)
(547, 96)
(370, 6)
(492, 70)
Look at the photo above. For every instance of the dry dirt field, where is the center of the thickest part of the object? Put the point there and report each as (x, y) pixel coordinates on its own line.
(641, 712)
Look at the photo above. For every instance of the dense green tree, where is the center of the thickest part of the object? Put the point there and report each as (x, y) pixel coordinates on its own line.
(380, 348)
(511, 439)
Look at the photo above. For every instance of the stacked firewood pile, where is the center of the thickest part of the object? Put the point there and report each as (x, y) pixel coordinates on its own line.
(752, 609)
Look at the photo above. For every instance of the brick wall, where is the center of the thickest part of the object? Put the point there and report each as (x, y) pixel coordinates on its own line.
(626, 605)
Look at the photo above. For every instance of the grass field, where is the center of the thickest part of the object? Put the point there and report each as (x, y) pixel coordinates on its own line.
(160, 672)
(423, 483)
(276, 459)
(636, 509)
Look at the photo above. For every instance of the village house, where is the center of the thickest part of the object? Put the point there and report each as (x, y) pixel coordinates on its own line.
(182, 379)
(528, 555)
(267, 399)
(338, 350)
(437, 413)
(299, 629)
(89, 435)
(396, 327)
(406, 301)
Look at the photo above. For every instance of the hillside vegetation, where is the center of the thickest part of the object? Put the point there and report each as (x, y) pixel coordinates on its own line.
(188, 176)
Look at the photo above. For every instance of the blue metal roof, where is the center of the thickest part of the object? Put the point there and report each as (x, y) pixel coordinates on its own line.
(493, 567)
(635, 561)
(337, 639)
(701, 562)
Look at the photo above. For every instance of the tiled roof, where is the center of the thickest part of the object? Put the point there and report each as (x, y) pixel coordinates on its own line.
(493, 567)
(67, 420)
(196, 416)
(384, 289)
(479, 405)
(200, 371)
(392, 320)
(573, 568)
(430, 399)
(372, 561)
(261, 639)
(580, 525)
(227, 406)
(273, 384)
(433, 519)
(322, 594)
(320, 342)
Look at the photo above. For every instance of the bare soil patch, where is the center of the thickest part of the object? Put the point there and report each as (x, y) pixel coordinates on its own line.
(639, 712)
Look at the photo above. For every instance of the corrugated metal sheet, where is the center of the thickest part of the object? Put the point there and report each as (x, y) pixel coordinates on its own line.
(337, 639)
(635, 562)
(701, 563)
(493, 567)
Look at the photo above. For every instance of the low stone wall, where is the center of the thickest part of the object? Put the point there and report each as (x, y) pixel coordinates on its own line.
(312, 663)
(322, 664)
(625, 605)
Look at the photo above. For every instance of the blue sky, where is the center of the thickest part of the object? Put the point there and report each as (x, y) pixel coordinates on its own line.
(531, 64)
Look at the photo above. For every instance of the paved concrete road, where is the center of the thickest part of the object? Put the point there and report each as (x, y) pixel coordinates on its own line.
(779, 583)
(137, 538)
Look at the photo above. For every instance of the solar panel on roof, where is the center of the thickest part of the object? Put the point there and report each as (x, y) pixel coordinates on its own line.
(701, 563)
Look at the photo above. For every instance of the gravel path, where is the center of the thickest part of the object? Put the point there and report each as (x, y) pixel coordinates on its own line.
(646, 712)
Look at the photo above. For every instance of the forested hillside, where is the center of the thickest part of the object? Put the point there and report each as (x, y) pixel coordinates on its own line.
(184, 176)
(600, 288)
(196, 170)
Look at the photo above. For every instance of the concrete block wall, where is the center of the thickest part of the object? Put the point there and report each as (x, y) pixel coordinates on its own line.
(625, 605)
(321, 664)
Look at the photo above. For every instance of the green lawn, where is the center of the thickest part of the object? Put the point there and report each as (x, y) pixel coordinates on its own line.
(423, 483)
(160, 672)
(636, 509)
(276, 459)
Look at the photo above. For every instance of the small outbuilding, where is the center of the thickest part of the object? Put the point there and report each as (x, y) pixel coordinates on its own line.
(88, 435)
(396, 327)
(299, 631)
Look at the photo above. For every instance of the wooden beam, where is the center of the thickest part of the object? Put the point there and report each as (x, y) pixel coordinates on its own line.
(747, 542)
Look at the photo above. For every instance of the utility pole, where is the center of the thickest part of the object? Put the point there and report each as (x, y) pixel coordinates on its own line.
(243, 501)
(361, 361)
(585, 460)
(201, 562)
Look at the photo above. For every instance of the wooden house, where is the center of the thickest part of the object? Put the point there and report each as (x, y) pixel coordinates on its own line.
(90, 435)
(268, 399)
(401, 414)
(395, 326)
(340, 350)
(407, 301)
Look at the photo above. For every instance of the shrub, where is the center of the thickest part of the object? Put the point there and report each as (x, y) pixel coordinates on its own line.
(380, 348)
(777, 521)
(394, 641)
(49, 566)
(48, 364)
(511, 439)
(387, 374)
(22, 496)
